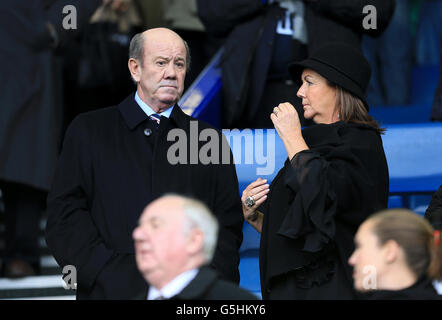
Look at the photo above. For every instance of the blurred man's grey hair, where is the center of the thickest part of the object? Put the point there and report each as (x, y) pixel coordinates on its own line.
(199, 216)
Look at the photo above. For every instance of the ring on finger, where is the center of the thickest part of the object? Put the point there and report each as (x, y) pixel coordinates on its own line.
(249, 202)
(276, 110)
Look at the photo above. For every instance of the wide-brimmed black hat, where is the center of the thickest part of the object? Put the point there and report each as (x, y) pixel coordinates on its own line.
(341, 64)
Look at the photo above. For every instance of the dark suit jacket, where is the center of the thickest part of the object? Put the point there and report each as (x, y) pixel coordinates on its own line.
(108, 171)
(208, 286)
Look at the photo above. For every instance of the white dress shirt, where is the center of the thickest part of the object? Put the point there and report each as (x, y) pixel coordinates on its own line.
(173, 287)
(148, 110)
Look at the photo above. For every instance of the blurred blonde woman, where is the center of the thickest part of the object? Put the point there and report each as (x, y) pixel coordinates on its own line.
(398, 255)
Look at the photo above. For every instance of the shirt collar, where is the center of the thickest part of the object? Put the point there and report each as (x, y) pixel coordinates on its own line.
(148, 110)
(133, 114)
(173, 287)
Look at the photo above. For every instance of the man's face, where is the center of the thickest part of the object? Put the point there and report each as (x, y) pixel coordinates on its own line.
(161, 242)
(161, 76)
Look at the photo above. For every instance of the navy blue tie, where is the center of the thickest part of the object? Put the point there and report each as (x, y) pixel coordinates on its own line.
(155, 117)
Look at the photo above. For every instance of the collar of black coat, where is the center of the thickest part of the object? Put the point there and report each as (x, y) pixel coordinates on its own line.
(198, 286)
(422, 289)
(133, 115)
(330, 134)
(204, 279)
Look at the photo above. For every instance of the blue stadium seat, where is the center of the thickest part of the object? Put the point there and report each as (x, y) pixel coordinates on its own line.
(203, 98)
(251, 239)
(249, 270)
(412, 113)
(414, 153)
(423, 85)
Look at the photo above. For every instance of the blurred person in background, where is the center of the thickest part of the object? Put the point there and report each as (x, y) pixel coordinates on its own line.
(397, 256)
(391, 59)
(436, 111)
(263, 36)
(174, 244)
(31, 117)
(116, 160)
(182, 17)
(94, 63)
(429, 33)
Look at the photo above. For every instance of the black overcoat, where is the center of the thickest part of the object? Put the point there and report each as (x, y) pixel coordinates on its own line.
(207, 285)
(422, 289)
(314, 208)
(108, 171)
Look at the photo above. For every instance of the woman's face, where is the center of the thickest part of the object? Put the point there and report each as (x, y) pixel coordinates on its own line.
(368, 259)
(318, 98)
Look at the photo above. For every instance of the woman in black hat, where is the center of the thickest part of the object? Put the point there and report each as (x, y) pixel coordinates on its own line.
(335, 176)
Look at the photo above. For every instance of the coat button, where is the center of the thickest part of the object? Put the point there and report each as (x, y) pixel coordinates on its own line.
(147, 132)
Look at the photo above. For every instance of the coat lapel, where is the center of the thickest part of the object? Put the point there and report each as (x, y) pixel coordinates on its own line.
(199, 286)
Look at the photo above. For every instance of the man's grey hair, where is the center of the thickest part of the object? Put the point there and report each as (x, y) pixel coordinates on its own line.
(199, 216)
(136, 49)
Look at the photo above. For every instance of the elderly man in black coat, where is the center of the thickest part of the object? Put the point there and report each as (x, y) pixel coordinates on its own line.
(117, 160)
(31, 115)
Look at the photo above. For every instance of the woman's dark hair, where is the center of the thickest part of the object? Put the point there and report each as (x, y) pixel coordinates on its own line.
(415, 236)
(352, 109)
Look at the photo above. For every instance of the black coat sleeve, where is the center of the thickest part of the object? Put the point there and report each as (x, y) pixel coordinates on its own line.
(350, 13)
(227, 204)
(220, 17)
(434, 211)
(345, 183)
(71, 233)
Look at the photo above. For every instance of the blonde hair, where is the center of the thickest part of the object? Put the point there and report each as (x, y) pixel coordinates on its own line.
(415, 236)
